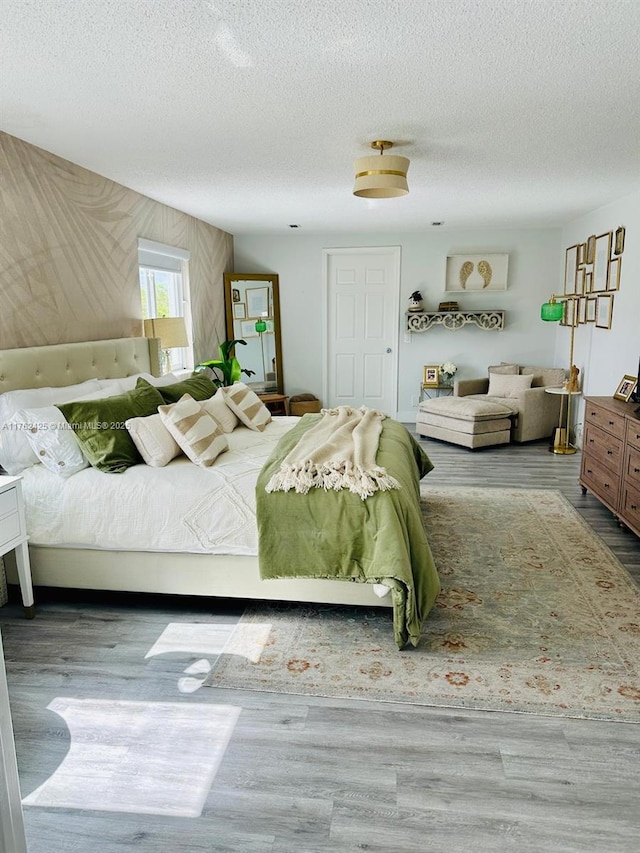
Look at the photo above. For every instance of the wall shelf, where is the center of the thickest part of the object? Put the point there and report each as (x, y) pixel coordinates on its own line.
(422, 321)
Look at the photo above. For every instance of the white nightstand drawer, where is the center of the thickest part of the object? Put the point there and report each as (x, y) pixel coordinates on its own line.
(8, 502)
(9, 528)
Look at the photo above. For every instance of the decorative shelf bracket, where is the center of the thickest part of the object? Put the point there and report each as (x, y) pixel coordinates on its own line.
(422, 321)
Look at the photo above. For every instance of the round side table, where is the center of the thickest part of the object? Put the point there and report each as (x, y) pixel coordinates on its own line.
(561, 443)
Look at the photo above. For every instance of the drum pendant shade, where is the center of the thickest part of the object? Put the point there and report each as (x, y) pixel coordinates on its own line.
(381, 176)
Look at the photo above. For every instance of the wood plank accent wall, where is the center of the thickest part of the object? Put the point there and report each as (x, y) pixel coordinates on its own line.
(69, 260)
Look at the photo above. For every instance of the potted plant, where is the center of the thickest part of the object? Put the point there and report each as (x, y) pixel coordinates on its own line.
(228, 366)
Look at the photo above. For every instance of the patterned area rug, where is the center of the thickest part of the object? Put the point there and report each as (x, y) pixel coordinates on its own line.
(535, 615)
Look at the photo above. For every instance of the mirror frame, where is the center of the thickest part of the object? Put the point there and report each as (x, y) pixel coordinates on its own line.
(230, 278)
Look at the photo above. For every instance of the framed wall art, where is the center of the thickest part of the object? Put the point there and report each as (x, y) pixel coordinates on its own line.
(571, 315)
(248, 329)
(601, 262)
(257, 301)
(604, 310)
(571, 270)
(476, 273)
(239, 310)
(613, 274)
(618, 246)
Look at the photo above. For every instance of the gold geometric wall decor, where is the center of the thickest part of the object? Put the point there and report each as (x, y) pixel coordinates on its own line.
(592, 274)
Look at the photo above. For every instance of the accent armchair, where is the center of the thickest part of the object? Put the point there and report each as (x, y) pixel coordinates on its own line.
(537, 412)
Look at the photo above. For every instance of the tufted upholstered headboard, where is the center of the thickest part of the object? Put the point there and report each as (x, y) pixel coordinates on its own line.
(68, 364)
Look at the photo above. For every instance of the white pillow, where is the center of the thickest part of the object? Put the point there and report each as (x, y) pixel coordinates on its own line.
(505, 385)
(128, 383)
(155, 443)
(199, 436)
(16, 453)
(248, 406)
(52, 440)
(220, 412)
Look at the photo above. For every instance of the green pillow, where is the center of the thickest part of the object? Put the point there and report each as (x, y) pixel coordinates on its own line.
(198, 387)
(99, 426)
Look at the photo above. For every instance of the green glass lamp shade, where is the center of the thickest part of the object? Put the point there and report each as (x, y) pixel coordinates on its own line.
(552, 311)
(261, 326)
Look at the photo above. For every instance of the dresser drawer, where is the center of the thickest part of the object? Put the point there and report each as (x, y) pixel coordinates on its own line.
(8, 502)
(630, 507)
(603, 447)
(632, 467)
(608, 421)
(601, 481)
(633, 433)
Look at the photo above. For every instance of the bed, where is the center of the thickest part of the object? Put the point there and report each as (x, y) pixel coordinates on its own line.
(184, 567)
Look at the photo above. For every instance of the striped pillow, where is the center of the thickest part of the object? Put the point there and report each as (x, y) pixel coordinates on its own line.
(195, 431)
(249, 408)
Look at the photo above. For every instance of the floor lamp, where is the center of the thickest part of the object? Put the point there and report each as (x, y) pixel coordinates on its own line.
(553, 311)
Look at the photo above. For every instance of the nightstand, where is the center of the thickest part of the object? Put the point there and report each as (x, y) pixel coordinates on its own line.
(278, 404)
(13, 536)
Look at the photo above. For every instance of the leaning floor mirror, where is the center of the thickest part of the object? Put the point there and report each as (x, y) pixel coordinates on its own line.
(252, 304)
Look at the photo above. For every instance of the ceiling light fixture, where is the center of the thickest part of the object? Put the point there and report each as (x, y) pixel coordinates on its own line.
(376, 178)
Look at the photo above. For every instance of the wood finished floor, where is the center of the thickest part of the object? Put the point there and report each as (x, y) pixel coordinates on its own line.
(301, 774)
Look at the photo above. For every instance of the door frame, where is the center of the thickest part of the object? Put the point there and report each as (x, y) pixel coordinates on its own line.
(396, 253)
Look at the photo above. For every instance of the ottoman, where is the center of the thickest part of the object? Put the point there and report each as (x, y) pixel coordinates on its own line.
(460, 420)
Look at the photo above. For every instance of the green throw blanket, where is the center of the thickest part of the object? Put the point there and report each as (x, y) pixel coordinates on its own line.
(337, 535)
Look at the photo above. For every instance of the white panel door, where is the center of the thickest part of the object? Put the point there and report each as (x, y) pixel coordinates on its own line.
(362, 304)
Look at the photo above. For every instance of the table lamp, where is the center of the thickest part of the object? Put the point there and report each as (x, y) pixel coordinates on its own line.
(172, 333)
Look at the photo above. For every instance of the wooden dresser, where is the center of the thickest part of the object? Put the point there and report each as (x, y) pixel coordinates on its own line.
(611, 457)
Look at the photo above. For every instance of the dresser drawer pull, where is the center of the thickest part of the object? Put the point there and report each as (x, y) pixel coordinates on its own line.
(609, 452)
(606, 485)
(611, 423)
(636, 470)
(634, 507)
(589, 471)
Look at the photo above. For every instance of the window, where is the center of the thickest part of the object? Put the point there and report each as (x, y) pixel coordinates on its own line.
(164, 290)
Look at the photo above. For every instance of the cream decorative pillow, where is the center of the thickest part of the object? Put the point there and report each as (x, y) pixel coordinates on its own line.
(248, 406)
(506, 385)
(155, 443)
(194, 430)
(220, 412)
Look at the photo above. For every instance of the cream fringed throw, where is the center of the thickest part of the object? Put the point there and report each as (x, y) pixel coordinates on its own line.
(339, 452)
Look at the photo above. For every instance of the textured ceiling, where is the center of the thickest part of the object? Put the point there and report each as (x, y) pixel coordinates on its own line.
(249, 114)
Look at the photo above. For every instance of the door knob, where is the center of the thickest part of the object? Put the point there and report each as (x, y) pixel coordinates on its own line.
(388, 349)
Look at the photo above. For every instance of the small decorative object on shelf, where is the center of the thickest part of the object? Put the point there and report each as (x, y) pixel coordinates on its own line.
(447, 371)
(448, 306)
(415, 301)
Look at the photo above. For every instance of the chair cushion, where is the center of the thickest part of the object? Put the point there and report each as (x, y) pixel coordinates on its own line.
(466, 408)
(502, 385)
(543, 376)
(503, 367)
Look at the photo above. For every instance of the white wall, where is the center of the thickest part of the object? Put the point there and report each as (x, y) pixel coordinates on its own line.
(605, 356)
(535, 261)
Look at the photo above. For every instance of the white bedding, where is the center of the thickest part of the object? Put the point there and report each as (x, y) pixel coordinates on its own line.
(179, 508)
